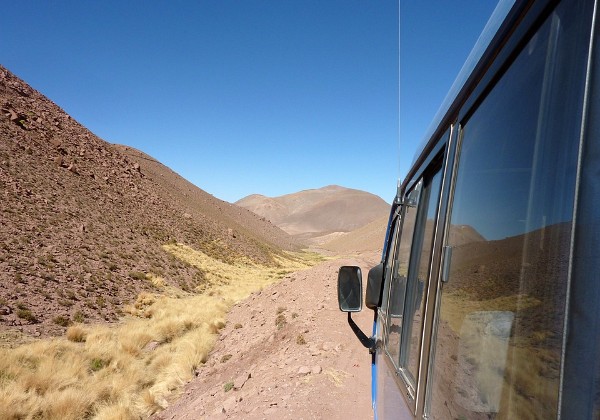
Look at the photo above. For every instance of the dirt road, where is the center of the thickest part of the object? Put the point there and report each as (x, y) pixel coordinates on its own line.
(286, 352)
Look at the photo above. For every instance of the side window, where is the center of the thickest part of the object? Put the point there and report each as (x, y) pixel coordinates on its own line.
(410, 277)
(499, 336)
(389, 263)
(417, 280)
(400, 273)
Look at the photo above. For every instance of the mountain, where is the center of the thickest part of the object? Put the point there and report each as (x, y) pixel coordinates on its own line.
(370, 237)
(83, 222)
(311, 214)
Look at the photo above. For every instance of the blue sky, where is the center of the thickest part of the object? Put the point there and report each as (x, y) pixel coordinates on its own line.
(250, 96)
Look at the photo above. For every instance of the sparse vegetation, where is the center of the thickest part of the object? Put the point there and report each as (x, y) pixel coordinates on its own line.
(27, 315)
(78, 317)
(65, 302)
(100, 302)
(62, 321)
(137, 275)
(96, 364)
(130, 368)
(280, 321)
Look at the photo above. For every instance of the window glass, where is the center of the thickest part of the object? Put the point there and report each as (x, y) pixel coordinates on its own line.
(400, 274)
(389, 264)
(417, 283)
(500, 331)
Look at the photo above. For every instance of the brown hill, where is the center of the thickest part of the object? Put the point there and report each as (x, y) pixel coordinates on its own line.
(367, 238)
(315, 213)
(82, 221)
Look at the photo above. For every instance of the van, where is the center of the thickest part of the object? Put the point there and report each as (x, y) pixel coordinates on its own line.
(487, 300)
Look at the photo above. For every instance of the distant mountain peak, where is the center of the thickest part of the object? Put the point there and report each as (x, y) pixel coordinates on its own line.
(317, 212)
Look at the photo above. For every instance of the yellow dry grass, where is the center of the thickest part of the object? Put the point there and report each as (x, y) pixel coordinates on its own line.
(130, 370)
(336, 376)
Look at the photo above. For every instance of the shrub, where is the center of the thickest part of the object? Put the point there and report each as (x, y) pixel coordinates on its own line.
(97, 364)
(228, 386)
(27, 315)
(137, 275)
(48, 277)
(78, 317)
(100, 301)
(65, 302)
(62, 321)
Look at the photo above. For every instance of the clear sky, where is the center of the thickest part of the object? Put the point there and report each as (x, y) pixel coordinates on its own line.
(250, 96)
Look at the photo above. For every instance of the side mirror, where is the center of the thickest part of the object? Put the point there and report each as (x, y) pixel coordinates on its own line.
(374, 282)
(350, 289)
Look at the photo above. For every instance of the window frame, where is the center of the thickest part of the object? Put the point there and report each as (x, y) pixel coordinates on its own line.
(438, 161)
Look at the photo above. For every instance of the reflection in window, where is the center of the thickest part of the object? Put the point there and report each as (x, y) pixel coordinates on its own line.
(499, 337)
(400, 272)
(415, 294)
(389, 264)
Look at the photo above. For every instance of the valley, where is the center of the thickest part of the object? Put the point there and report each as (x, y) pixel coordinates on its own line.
(128, 291)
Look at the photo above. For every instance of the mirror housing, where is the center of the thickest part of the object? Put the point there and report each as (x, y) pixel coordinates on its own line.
(374, 282)
(350, 289)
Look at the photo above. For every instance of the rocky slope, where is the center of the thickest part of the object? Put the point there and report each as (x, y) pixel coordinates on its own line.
(82, 221)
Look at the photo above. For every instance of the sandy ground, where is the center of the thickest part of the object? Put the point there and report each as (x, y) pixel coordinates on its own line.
(286, 352)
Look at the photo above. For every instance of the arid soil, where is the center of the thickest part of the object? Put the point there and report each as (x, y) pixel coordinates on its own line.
(287, 352)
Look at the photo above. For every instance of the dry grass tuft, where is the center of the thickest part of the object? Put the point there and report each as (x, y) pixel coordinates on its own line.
(76, 333)
(127, 371)
(156, 281)
(336, 376)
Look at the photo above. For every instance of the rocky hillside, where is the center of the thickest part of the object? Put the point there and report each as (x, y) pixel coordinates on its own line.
(82, 221)
(316, 213)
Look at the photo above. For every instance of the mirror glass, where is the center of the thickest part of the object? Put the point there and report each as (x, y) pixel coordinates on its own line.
(350, 289)
(374, 280)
